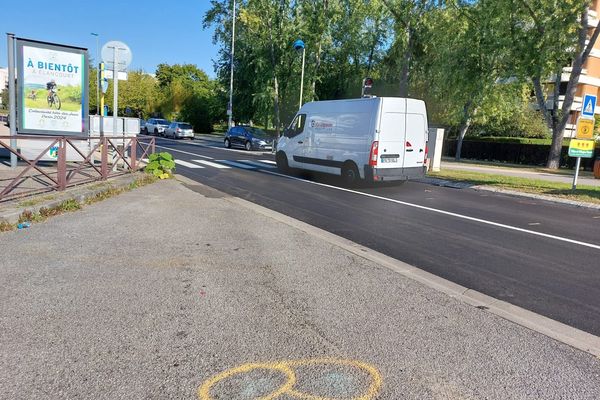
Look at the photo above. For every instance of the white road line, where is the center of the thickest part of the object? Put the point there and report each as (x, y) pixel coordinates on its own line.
(466, 217)
(236, 164)
(187, 164)
(268, 162)
(212, 164)
(257, 164)
(185, 152)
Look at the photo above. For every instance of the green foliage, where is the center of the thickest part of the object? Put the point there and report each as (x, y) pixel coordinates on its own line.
(161, 165)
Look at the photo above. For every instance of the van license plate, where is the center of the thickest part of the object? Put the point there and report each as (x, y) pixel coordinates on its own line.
(389, 160)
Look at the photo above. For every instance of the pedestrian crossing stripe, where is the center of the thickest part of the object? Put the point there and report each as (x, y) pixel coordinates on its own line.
(225, 164)
(258, 164)
(187, 164)
(212, 164)
(237, 165)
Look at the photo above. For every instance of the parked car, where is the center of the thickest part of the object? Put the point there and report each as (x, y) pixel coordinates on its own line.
(179, 130)
(156, 126)
(375, 139)
(142, 126)
(248, 137)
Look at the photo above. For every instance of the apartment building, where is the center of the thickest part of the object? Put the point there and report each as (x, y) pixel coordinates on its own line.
(589, 81)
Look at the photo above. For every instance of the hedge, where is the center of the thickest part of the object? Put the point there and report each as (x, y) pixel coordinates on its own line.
(514, 153)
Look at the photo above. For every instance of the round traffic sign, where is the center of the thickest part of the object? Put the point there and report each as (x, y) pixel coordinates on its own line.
(122, 52)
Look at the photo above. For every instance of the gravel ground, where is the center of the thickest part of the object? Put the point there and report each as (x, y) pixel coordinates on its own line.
(165, 293)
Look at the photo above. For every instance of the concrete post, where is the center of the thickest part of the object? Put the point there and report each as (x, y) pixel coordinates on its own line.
(435, 144)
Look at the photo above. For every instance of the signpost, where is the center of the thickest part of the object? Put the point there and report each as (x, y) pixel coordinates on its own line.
(583, 144)
(116, 56)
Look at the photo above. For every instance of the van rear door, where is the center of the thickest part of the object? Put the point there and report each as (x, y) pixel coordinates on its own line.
(416, 136)
(392, 132)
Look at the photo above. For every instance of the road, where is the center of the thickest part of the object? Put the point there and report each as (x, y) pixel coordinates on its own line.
(538, 255)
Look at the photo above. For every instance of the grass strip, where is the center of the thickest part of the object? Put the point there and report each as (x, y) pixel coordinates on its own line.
(71, 205)
(588, 194)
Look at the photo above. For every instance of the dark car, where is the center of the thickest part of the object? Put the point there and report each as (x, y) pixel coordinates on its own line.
(248, 137)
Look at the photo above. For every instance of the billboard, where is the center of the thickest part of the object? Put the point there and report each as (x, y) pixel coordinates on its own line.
(53, 86)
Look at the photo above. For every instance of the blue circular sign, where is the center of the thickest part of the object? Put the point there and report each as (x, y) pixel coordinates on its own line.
(298, 44)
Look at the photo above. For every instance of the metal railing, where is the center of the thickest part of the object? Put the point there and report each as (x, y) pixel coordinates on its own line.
(54, 163)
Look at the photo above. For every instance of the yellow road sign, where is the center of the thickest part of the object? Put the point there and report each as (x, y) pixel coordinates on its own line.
(581, 148)
(585, 128)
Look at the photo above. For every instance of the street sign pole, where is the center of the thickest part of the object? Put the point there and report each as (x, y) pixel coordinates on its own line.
(12, 97)
(101, 109)
(577, 165)
(115, 89)
(230, 107)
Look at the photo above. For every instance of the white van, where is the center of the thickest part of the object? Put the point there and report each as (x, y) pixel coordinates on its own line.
(375, 139)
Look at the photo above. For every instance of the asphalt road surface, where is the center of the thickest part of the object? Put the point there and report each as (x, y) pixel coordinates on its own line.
(538, 255)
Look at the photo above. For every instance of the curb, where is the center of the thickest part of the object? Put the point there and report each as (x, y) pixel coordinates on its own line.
(553, 329)
(80, 194)
(463, 185)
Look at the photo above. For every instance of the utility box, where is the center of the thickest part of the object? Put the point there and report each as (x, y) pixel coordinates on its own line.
(436, 142)
(128, 126)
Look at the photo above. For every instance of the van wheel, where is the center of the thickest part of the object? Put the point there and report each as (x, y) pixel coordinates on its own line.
(282, 162)
(227, 143)
(350, 174)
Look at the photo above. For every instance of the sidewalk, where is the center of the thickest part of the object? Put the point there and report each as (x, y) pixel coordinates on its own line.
(522, 172)
(175, 291)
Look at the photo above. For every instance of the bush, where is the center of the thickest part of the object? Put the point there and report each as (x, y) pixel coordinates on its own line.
(161, 165)
(514, 151)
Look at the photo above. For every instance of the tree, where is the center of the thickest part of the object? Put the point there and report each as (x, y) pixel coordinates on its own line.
(4, 97)
(409, 16)
(546, 36)
(464, 60)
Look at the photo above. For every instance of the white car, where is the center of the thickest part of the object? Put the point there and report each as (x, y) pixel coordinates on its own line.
(179, 130)
(375, 139)
(156, 126)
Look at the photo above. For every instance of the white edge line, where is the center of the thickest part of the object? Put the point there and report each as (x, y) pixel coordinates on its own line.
(449, 213)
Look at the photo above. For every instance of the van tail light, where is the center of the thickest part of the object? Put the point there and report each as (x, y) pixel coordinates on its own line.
(374, 154)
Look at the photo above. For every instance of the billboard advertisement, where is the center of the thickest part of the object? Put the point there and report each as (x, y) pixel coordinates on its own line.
(53, 86)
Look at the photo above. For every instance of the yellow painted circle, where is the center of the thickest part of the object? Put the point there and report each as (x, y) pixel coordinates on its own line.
(204, 390)
(373, 373)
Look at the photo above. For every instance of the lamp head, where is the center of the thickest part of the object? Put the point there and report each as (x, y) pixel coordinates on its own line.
(298, 45)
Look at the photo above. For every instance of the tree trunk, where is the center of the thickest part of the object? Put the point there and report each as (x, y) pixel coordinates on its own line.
(406, 61)
(275, 81)
(318, 56)
(464, 128)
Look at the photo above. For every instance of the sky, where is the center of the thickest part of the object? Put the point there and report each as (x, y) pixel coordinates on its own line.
(155, 31)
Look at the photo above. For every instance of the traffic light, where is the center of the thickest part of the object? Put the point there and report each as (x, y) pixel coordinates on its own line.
(366, 87)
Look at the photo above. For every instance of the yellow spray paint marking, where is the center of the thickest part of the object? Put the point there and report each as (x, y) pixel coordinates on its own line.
(287, 368)
(204, 391)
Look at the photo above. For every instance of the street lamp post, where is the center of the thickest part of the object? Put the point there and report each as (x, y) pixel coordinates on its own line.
(299, 45)
(230, 105)
(97, 76)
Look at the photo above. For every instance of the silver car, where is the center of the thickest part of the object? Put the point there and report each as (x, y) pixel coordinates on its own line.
(179, 130)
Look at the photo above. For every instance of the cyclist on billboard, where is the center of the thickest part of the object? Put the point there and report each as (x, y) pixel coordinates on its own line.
(53, 99)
